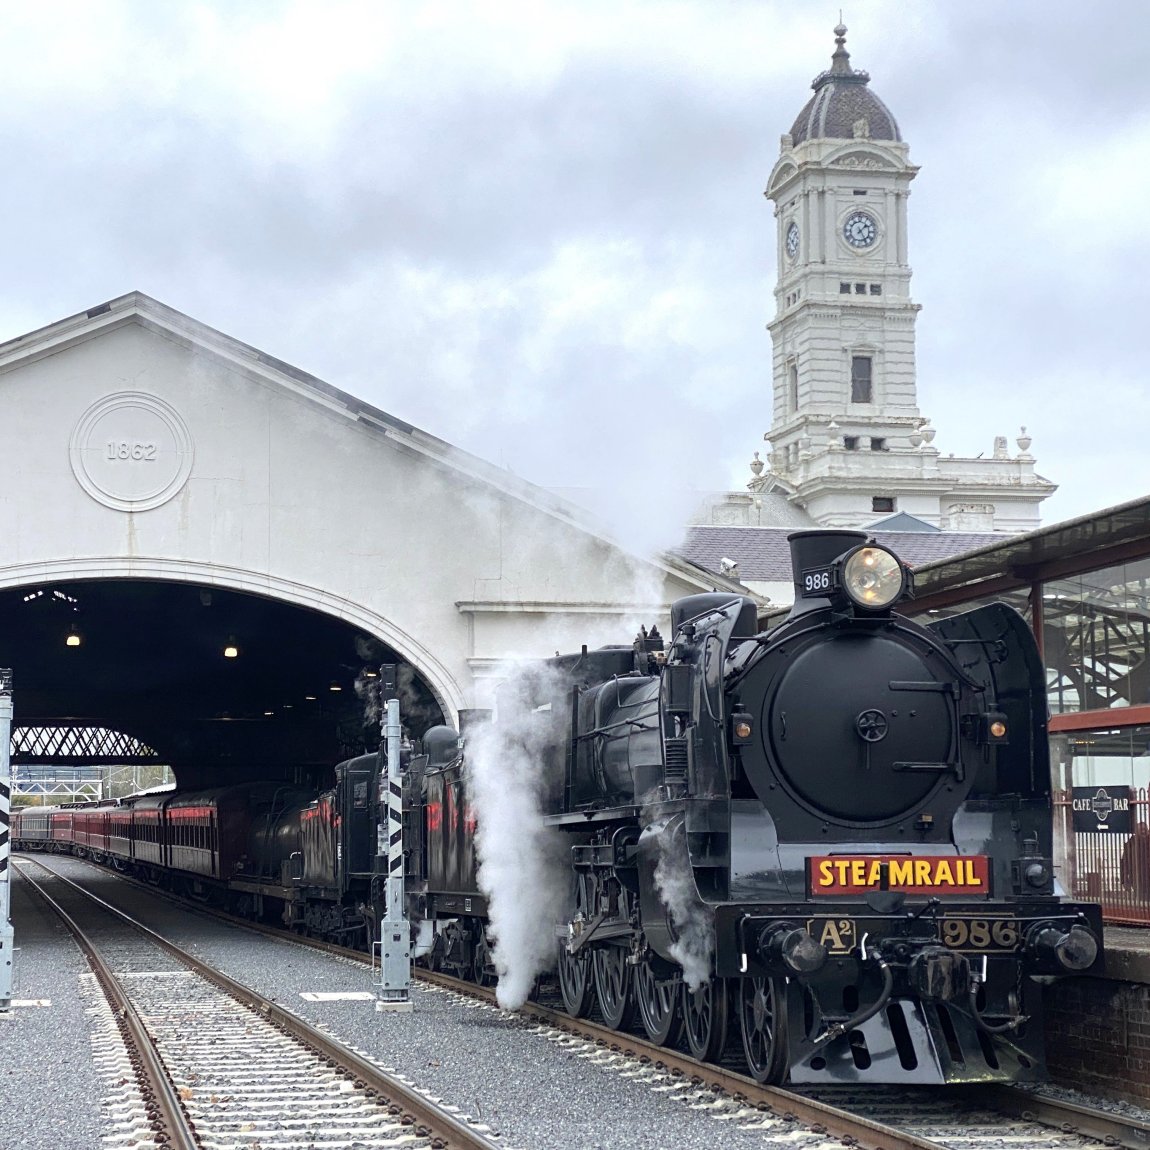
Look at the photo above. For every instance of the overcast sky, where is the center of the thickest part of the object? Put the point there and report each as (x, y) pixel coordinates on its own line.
(537, 230)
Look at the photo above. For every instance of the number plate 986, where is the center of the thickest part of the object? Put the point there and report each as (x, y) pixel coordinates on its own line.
(979, 934)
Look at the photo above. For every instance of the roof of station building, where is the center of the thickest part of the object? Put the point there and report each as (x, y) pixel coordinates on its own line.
(843, 106)
(763, 553)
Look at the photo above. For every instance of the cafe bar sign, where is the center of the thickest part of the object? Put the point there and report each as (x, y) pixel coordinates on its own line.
(1102, 809)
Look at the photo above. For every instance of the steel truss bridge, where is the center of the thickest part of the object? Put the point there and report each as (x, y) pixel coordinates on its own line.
(74, 762)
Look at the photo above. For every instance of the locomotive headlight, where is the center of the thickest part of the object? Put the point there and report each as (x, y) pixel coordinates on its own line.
(873, 577)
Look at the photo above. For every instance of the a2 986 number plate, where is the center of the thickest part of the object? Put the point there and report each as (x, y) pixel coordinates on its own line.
(958, 932)
(978, 934)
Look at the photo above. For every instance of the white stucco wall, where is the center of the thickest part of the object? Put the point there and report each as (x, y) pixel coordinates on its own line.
(291, 493)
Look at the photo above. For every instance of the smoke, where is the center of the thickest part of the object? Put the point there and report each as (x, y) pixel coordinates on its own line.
(418, 710)
(692, 918)
(367, 691)
(524, 866)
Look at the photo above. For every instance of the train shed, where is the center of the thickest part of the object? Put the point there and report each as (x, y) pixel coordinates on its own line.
(207, 553)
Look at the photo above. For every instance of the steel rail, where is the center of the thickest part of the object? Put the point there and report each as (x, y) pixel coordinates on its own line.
(166, 1114)
(1110, 1128)
(819, 1116)
(425, 1118)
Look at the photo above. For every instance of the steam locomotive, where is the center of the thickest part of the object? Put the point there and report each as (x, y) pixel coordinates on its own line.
(834, 837)
(829, 842)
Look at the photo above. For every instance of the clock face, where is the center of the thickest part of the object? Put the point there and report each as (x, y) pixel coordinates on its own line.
(860, 230)
(792, 241)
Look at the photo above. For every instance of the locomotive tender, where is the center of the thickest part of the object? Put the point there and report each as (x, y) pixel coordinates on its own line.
(833, 838)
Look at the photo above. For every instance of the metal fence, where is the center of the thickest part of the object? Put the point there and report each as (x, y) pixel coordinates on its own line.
(1112, 868)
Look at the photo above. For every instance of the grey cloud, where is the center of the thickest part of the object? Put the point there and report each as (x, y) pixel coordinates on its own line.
(476, 181)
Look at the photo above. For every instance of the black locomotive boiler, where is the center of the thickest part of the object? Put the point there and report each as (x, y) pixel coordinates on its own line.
(833, 838)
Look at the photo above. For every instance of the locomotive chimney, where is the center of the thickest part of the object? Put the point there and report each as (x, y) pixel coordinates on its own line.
(817, 549)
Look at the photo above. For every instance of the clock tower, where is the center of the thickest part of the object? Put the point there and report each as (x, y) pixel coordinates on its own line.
(849, 446)
(843, 333)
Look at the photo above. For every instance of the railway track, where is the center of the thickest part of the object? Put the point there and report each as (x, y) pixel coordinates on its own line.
(217, 1064)
(876, 1118)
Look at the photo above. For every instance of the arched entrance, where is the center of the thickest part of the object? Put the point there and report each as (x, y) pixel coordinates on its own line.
(228, 675)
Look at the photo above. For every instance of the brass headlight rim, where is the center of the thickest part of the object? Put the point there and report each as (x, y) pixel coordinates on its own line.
(845, 578)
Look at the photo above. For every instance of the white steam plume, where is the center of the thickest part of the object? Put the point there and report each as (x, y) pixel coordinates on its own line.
(692, 918)
(524, 866)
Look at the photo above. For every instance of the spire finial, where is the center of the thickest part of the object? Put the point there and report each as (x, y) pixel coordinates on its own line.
(840, 61)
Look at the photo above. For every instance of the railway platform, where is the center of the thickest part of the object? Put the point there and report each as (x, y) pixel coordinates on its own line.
(1098, 1027)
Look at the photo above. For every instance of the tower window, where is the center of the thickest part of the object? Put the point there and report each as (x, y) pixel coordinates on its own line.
(877, 443)
(860, 289)
(882, 503)
(851, 442)
(844, 288)
(860, 379)
(793, 386)
(860, 191)
(876, 289)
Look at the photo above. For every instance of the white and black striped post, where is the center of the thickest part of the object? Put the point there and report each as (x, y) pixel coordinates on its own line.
(394, 932)
(6, 932)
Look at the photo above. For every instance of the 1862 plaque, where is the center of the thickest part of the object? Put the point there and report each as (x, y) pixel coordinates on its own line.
(131, 451)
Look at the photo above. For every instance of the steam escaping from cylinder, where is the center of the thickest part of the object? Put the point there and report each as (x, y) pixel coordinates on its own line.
(693, 920)
(524, 866)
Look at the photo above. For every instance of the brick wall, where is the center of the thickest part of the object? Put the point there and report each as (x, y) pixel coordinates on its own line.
(1098, 1036)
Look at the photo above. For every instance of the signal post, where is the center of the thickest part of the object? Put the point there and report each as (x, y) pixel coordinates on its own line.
(394, 930)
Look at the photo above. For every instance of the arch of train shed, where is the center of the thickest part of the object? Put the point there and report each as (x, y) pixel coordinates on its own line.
(142, 447)
(219, 680)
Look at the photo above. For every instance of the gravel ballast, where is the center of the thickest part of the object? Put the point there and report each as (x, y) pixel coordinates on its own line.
(51, 1091)
(533, 1091)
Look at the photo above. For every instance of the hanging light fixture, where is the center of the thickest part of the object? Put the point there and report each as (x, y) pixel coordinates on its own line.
(335, 686)
(231, 650)
(74, 638)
